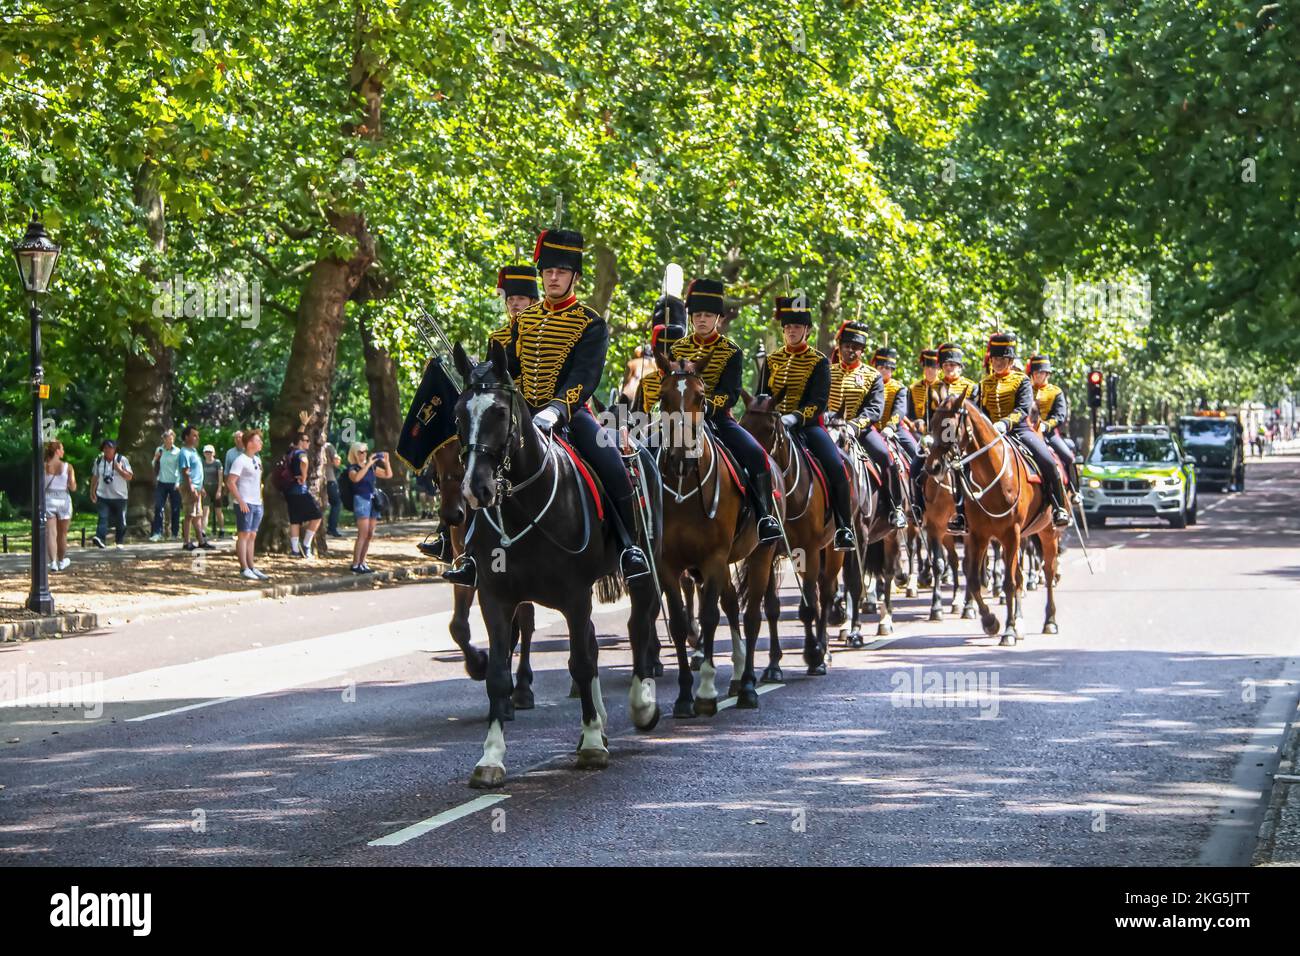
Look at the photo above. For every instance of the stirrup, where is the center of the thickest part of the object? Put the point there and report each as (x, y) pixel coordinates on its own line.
(845, 540)
(769, 530)
(437, 549)
(1060, 517)
(463, 573)
(897, 517)
(957, 526)
(632, 563)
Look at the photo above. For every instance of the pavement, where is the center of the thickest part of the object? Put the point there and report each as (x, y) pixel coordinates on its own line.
(341, 730)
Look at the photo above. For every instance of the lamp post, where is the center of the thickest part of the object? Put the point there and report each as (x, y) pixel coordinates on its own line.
(36, 255)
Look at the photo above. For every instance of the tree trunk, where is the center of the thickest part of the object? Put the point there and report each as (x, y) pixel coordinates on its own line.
(602, 290)
(146, 382)
(385, 414)
(304, 402)
(830, 310)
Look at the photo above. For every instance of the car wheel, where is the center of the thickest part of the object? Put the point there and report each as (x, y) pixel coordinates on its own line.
(1097, 521)
(1179, 520)
(1241, 480)
(1191, 512)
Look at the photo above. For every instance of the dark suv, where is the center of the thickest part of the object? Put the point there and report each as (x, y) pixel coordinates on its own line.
(1217, 446)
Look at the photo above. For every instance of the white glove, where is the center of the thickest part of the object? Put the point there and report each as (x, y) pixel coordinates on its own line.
(790, 420)
(887, 431)
(851, 428)
(1001, 427)
(546, 419)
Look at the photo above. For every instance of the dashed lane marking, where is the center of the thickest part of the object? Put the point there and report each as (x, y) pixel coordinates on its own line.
(441, 820)
(762, 689)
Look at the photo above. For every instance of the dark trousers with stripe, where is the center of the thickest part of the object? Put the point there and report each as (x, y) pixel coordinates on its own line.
(916, 460)
(1067, 457)
(740, 443)
(828, 456)
(602, 452)
(874, 444)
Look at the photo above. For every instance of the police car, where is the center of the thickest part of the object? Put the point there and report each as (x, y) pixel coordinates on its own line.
(1139, 472)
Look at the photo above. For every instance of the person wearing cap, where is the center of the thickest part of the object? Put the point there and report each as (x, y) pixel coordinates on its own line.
(1052, 411)
(720, 363)
(892, 421)
(952, 361)
(922, 399)
(110, 478)
(800, 376)
(857, 397)
(556, 356)
(517, 287)
(213, 485)
(1006, 395)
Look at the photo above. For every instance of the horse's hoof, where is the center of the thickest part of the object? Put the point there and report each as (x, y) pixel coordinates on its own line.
(706, 706)
(733, 688)
(1051, 628)
(1031, 585)
(990, 624)
(593, 759)
(968, 614)
(487, 778)
(772, 675)
(936, 616)
(657, 669)
(683, 708)
(574, 693)
(696, 660)
(747, 699)
(869, 609)
(817, 670)
(856, 640)
(523, 698)
(648, 726)
(1008, 640)
(885, 629)
(476, 666)
(911, 592)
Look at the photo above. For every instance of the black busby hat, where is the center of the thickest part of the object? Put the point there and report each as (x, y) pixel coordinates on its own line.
(951, 353)
(518, 280)
(1002, 345)
(793, 311)
(929, 358)
(706, 295)
(854, 333)
(1039, 363)
(559, 249)
(886, 357)
(668, 320)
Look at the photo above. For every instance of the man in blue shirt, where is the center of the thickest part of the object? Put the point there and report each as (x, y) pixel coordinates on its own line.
(166, 458)
(190, 466)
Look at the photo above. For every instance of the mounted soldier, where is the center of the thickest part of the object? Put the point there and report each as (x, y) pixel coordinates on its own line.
(720, 364)
(556, 355)
(922, 399)
(1053, 412)
(800, 376)
(1006, 396)
(893, 419)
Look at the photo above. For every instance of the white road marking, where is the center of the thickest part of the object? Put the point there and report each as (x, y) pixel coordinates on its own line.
(1144, 534)
(441, 820)
(180, 710)
(762, 689)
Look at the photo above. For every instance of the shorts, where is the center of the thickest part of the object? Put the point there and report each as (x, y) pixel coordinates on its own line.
(248, 522)
(58, 506)
(363, 507)
(301, 508)
(192, 502)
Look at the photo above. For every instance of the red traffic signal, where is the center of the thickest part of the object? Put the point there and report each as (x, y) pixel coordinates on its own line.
(1094, 377)
(1094, 388)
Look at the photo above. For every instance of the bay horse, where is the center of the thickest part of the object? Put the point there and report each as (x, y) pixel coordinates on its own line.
(809, 532)
(450, 466)
(1003, 504)
(707, 528)
(538, 535)
(939, 508)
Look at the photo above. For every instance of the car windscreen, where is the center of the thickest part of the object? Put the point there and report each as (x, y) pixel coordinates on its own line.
(1135, 449)
(1208, 432)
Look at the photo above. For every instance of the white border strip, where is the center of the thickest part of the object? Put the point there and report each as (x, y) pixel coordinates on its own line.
(441, 820)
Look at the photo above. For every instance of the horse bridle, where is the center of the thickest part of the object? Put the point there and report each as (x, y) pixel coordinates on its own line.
(678, 495)
(956, 464)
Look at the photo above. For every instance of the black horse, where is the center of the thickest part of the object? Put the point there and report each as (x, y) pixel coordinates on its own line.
(537, 537)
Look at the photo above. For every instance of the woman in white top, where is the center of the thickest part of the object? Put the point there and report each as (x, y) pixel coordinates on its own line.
(60, 482)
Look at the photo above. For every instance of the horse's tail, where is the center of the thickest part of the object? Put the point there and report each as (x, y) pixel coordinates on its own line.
(875, 557)
(610, 588)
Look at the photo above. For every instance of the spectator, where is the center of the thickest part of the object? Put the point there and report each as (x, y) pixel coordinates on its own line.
(214, 491)
(304, 513)
(191, 468)
(362, 470)
(244, 482)
(109, 476)
(425, 490)
(166, 469)
(60, 482)
(332, 462)
(235, 452)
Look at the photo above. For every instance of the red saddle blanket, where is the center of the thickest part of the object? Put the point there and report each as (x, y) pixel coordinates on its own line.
(586, 476)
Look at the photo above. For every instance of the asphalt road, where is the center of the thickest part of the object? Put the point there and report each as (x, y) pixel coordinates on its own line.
(326, 729)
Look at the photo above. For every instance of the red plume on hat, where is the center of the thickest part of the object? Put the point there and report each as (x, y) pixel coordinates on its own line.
(537, 249)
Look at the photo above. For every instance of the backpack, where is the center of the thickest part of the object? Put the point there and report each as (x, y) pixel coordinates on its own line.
(282, 476)
(346, 491)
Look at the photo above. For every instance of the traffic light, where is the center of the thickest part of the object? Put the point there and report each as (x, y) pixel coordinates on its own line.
(1094, 389)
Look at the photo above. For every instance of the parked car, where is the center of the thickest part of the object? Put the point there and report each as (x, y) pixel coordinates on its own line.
(1214, 440)
(1139, 472)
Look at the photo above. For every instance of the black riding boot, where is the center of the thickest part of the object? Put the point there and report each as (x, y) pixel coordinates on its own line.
(463, 572)
(845, 539)
(760, 486)
(897, 517)
(1060, 502)
(957, 523)
(439, 548)
(632, 563)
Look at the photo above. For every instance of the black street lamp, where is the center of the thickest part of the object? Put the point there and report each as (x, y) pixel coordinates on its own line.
(36, 255)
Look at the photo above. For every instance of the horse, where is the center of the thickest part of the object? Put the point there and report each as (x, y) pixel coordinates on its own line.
(538, 535)
(1003, 505)
(939, 508)
(707, 528)
(809, 535)
(451, 508)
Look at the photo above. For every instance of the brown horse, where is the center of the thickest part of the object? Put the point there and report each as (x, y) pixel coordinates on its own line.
(939, 508)
(809, 532)
(707, 528)
(1002, 505)
(451, 508)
